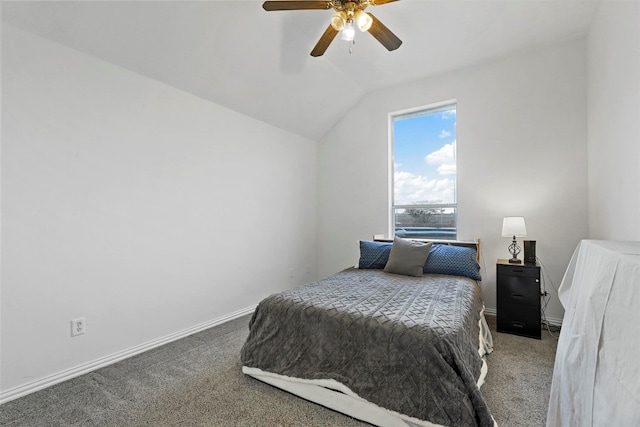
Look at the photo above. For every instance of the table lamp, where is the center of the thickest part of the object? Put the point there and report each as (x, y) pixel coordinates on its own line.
(514, 226)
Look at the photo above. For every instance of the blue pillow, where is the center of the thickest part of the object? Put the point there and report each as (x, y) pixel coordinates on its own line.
(455, 260)
(374, 254)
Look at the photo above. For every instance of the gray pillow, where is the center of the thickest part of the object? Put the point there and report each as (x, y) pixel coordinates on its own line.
(407, 257)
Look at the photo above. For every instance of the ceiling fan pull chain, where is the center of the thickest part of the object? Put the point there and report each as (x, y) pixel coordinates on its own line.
(351, 45)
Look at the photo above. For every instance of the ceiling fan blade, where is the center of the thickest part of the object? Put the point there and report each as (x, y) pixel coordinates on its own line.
(383, 34)
(379, 2)
(296, 5)
(324, 42)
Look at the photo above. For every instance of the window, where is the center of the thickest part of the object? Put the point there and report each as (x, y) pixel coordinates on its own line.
(423, 146)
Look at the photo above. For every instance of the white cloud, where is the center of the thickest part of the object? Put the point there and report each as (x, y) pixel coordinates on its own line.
(445, 159)
(447, 169)
(444, 134)
(410, 188)
(448, 114)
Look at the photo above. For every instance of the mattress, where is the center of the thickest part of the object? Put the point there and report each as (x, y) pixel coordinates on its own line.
(408, 346)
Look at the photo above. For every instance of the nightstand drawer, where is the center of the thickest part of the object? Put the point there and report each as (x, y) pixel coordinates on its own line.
(519, 290)
(518, 270)
(519, 320)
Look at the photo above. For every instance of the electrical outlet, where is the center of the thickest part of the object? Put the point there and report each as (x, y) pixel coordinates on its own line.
(291, 273)
(78, 326)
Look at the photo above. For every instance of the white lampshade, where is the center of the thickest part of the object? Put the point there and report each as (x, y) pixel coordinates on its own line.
(514, 226)
(363, 20)
(348, 32)
(338, 20)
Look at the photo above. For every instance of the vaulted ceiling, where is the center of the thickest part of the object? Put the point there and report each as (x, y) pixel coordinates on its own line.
(235, 54)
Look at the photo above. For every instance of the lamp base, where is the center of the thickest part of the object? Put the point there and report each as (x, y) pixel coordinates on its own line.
(514, 250)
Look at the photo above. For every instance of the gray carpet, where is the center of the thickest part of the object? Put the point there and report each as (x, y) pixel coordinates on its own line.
(197, 381)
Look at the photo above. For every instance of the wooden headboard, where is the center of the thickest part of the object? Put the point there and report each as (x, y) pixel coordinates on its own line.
(464, 243)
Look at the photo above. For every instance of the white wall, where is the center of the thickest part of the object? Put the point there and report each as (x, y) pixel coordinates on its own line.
(613, 70)
(521, 136)
(118, 191)
(140, 207)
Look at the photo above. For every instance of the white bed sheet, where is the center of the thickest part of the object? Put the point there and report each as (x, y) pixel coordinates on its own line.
(596, 379)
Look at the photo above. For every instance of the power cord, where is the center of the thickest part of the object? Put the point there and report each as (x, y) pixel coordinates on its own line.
(552, 329)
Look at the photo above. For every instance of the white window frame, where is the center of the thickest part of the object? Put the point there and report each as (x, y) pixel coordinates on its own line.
(391, 170)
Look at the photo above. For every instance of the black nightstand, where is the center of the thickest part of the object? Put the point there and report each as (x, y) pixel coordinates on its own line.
(518, 298)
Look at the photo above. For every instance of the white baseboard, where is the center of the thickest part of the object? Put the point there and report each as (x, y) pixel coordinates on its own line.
(553, 321)
(491, 311)
(76, 371)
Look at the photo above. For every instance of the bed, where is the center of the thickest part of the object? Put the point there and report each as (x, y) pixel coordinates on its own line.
(388, 348)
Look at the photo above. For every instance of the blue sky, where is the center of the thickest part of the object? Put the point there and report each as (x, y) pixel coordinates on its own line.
(424, 158)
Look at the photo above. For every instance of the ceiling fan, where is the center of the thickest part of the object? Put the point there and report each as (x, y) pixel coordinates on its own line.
(348, 13)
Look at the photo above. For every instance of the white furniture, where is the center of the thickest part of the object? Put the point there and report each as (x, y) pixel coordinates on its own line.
(596, 378)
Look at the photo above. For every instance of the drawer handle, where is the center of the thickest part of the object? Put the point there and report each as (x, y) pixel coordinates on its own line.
(517, 324)
(517, 296)
(518, 271)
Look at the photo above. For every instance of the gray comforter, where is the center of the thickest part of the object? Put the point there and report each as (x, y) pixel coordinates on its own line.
(408, 344)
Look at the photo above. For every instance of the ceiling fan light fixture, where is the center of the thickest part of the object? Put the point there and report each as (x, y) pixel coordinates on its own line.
(348, 14)
(338, 20)
(363, 20)
(348, 32)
